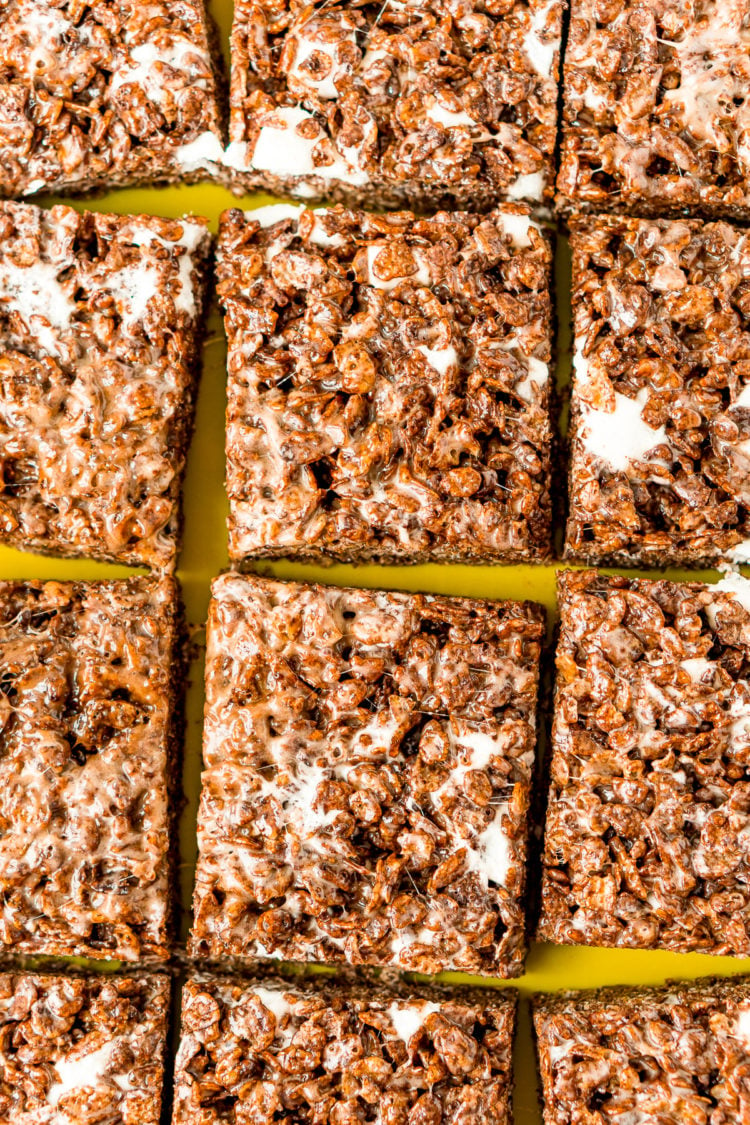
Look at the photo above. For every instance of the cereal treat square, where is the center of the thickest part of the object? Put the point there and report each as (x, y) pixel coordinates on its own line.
(679, 1053)
(389, 390)
(368, 765)
(100, 321)
(660, 414)
(82, 1050)
(267, 1050)
(656, 116)
(105, 94)
(90, 708)
(647, 840)
(434, 103)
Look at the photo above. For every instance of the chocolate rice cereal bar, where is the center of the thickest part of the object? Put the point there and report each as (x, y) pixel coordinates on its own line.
(263, 1051)
(389, 390)
(78, 1050)
(619, 1056)
(428, 103)
(368, 760)
(656, 117)
(660, 415)
(100, 326)
(90, 701)
(647, 841)
(100, 95)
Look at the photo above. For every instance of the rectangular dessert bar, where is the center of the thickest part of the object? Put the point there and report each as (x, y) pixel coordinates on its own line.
(656, 113)
(90, 703)
(389, 390)
(647, 836)
(342, 1052)
(680, 1053)
(100, 325)
(368, 763)
(660, 414)
(380, 104)
(96, 96)
(77, 1049)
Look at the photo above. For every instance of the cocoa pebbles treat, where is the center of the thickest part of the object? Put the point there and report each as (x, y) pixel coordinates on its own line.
(680, 1053)
(389, 391)
(90, 686)
(82, 1050)
(104, 94)
(656, 117)
(380, 103)
(100, 325)
(647, 839)
(348, 1054)
(368, 763)
(660, 416)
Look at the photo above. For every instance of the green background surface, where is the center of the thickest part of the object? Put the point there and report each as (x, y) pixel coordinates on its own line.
(205, 555)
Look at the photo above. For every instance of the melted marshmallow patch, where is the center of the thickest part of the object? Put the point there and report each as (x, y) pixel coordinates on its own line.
(620, 436)
(282, 150)
(409, 1018)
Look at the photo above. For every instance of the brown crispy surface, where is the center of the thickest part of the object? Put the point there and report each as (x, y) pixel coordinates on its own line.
(85, 711)
(675, 1054)
(656, 114)
(388, 391)
(648, 823)
(82, 1049)
(661, 328)
(103, 94)
(99, 321)
(368, 762)
(336, 1055)
(421, 103)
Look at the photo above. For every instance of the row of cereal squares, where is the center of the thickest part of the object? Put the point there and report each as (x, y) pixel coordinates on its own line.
(425, 102)
(368, 772)
(390, 394)
(254, 1051)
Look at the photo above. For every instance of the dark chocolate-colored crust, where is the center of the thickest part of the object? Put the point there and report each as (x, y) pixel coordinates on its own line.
(349, 1054)
(82, 1049)
(100, 328)
(430, 104)
(368, 762)
(104, 95)
(647, 819)
(90, 693)
(662, 367)
(673, 1054)
(389, 390)
(655, 117)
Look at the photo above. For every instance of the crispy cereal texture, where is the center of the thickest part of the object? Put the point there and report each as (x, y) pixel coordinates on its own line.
(429, 104)
(388, 385)
(675, 1054)
(656, 113)
(87, 702)
(660, 415)
(99, 357)
(647, 820)
(347, 1054)
(100, 95)
(368, 760)
(82, 1050)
